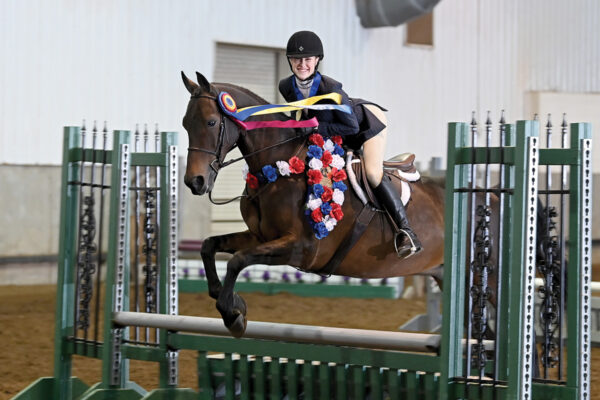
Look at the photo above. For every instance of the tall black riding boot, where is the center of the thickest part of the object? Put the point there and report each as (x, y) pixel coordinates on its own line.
(386, 193)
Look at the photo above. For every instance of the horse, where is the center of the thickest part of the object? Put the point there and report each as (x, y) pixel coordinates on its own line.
(278, 230)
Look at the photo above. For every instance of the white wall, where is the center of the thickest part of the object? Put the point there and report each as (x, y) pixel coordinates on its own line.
(578, 107)
(65, 60)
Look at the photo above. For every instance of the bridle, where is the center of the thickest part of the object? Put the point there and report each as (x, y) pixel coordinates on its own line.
(217, 163)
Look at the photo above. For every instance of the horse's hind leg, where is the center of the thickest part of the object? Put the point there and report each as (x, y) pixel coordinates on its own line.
(231, 306)
(437, 274)
(229, 243)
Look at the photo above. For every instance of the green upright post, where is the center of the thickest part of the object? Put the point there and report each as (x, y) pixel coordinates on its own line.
(454, 261)
(62, 385)
(579, 265)
(168, 301)
(66, 265)
(502, 306)
(114, 368)
(522, 264)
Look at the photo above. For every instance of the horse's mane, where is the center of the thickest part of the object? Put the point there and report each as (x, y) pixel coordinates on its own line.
(231, 88)
(249, 99)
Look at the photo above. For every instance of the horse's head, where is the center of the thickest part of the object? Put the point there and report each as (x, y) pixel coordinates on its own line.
(211, 135)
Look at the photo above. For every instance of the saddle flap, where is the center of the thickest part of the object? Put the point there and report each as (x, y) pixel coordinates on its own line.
(359, 172)
(403, 162)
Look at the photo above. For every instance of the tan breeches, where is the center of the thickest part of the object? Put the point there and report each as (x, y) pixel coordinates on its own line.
(374, 149)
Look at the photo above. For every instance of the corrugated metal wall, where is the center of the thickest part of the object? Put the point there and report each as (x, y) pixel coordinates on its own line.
(67, 60)
(563, 41)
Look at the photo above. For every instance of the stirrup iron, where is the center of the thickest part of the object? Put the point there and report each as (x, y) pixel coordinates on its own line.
(413, 247)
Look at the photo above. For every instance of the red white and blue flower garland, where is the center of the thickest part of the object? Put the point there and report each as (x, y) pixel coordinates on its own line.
(326, 176)
(326, 186)
(268, 173)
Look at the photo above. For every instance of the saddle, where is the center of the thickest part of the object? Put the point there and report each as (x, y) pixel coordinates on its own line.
(401, 168)
(404, 162)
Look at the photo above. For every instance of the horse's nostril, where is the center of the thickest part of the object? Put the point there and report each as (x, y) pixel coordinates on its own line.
(199, 182)
(195, 184)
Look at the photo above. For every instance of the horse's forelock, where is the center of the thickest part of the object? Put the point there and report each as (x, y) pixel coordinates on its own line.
(197, 92)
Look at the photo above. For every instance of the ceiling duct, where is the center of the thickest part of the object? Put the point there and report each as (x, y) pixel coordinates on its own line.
(378, 13)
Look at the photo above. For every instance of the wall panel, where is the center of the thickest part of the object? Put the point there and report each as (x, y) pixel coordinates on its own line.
(119, 61)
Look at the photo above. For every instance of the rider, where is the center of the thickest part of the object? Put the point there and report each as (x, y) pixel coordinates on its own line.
(366, 126)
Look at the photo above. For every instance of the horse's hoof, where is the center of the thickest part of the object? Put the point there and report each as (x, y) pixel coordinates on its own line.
(239, 303)
(238, 326)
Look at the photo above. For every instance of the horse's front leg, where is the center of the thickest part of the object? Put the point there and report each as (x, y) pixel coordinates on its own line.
(229, 243)
(231, 306)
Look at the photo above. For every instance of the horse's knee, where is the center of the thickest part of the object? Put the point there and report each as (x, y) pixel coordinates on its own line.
(236, 263)
(209, 247)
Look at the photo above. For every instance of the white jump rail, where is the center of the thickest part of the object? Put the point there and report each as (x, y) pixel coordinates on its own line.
(360, 338)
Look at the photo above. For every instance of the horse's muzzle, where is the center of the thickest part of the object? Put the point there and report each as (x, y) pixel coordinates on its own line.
(197, 185)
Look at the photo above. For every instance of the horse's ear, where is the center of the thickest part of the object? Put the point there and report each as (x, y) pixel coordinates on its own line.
(189, 85)
(203, 82)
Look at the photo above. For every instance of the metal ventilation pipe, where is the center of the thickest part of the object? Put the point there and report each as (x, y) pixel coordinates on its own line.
(378, 13)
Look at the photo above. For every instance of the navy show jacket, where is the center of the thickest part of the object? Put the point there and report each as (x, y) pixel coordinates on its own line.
(331, 122)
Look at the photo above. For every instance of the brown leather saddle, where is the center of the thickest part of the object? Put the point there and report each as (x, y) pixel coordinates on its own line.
(403, 162)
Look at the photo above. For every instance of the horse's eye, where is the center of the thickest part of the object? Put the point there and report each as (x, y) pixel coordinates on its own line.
(212, 123)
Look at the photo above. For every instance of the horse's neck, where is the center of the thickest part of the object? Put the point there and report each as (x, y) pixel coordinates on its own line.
(267, 146)
(257, 144)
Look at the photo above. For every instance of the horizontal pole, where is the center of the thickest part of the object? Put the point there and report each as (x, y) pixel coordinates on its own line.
(506, 155)
(362, 338)
(90, 155)
(559, 156)
(277, 349)
(485, 155)
(149, 159)
(400, 341)
(299, 289)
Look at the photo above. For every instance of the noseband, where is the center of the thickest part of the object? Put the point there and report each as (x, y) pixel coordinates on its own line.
(215, 164)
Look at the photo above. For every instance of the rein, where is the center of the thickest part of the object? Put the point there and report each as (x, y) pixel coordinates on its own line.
(219, 148)
(258, 193)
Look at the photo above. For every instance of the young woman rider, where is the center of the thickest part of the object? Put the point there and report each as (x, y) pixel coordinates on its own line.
(366, 127)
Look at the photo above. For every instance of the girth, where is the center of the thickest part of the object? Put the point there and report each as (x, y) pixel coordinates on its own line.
(361, 222)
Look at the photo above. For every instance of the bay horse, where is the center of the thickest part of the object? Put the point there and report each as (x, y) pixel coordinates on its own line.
(278, 231)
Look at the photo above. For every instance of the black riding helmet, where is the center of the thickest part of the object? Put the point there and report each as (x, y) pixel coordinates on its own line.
(304, 44)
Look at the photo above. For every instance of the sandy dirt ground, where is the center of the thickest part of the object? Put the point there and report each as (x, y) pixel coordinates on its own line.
(27, 330)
